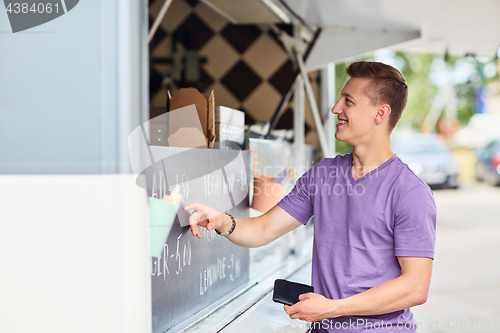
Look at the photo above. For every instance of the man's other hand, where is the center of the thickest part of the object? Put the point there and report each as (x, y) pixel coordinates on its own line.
(312, 307)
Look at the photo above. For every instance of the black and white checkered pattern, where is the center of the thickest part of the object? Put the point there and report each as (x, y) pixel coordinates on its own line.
(246, 65)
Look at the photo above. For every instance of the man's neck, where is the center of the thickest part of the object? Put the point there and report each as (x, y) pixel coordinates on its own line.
(368, 157)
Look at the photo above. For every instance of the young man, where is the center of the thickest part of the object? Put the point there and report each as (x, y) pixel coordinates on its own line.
(374, 219)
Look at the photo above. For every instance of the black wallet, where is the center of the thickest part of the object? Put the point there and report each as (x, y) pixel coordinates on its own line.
(287, 292)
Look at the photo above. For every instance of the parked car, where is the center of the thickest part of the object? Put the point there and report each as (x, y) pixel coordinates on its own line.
(488, 163)
(428, 157)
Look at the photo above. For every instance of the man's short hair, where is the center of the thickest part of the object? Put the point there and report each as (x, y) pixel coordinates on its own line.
(387, 86)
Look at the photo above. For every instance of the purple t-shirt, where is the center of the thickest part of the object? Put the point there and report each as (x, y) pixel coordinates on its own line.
(360, 227)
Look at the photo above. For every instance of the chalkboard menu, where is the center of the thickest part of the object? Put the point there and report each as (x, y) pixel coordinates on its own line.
(192, 273)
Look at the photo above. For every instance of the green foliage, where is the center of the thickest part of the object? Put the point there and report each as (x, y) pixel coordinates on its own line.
(421, 91)
(340, 80)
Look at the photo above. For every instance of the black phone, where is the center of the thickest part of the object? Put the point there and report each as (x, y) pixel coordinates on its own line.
(287, 292)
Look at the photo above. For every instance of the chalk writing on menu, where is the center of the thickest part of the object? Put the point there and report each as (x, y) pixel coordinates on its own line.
(191, 273)
(159, 186)
(174, 260)
(214, 184)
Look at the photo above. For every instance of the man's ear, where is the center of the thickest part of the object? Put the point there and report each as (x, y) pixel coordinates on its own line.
(382, 114)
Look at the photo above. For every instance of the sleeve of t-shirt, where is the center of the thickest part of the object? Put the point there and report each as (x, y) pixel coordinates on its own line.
(299, 202)
(415, 223)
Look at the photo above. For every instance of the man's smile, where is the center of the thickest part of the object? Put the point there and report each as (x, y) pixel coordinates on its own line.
(342, 122)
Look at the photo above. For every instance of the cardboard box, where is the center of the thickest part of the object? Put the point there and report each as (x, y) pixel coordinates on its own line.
(177, 128)
(205, 108)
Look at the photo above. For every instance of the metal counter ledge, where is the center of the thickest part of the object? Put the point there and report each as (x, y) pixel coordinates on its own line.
(253, 310)
(268, 316)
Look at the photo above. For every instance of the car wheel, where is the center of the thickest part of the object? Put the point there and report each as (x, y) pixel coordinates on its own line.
(493, 179)
(452, 182)
(479, 173)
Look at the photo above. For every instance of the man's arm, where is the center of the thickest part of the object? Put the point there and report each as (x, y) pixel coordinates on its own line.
(407, 290)
(249, 232)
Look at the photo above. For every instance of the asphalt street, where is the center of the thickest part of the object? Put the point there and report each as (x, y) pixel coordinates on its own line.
(465, 287)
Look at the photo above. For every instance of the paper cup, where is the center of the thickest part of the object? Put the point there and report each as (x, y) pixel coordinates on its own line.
(266, 193)
(161, 219)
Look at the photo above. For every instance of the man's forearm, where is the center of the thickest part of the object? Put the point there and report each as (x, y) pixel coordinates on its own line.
(400, 293)
(261, 230)
(249, 232)
(393, 295)
(407, 290)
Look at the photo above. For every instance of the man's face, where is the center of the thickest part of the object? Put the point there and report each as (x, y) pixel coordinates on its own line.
(355, 112)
